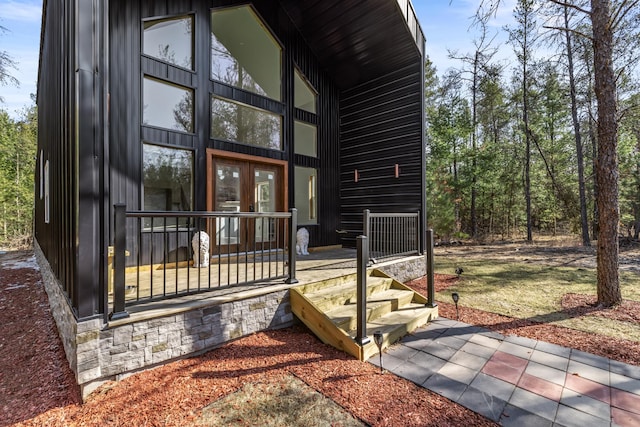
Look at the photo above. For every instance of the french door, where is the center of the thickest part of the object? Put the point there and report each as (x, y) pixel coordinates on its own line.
(241, 184)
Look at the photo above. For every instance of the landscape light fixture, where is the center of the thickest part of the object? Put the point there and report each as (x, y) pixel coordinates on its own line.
(455, 298)
(377, 337)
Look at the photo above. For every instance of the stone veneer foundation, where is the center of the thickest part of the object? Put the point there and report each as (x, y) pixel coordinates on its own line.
(98, 352)
(406, 269)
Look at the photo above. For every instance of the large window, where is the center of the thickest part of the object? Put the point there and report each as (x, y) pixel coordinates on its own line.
(306, 195)
(304, 95)
(170, 40)
(305, 139)
(167, 105)
(243, 52)
(167, 179)
(240, 123)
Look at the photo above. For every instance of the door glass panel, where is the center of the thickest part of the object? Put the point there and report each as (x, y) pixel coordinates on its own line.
(227, 199)
(265, 201)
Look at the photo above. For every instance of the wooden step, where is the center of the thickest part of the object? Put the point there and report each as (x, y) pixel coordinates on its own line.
(328, 298)
(395, 325)
(310, 288)
(378, 304)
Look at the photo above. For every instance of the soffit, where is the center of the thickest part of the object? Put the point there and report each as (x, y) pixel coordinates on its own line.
(355, 40)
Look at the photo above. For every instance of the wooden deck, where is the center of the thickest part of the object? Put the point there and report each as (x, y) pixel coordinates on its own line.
(220, 282)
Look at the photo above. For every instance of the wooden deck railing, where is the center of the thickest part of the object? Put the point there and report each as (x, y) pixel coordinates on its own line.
(157, 255)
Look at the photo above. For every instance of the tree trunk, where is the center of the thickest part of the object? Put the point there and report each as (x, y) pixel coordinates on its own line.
(608, 286)
(474, 146)
(584, 220)
(527, 154)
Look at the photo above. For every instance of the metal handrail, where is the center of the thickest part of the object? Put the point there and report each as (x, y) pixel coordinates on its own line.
(256, 247)
(392, 234)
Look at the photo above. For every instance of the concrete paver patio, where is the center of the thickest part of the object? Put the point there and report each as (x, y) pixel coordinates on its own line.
(517, 381)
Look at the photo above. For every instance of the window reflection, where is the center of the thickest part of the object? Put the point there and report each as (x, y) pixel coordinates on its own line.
(248, 125)
(167, 105)
(170, 40)
(303, 94)
(243, 52)
(304, 139)
(167, 179)
(306, 195)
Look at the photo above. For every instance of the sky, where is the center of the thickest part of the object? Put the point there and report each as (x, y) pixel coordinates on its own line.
(445, 23)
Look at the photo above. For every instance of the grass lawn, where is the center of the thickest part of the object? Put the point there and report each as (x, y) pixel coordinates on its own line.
(534, 291)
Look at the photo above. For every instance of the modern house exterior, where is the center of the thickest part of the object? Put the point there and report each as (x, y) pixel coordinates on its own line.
(239, 108)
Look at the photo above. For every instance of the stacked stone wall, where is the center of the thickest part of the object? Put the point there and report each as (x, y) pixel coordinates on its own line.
(406, 270)
(98, 352)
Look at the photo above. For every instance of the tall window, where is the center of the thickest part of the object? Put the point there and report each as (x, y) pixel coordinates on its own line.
(305, 97)
(170, 40)
(167, 179)
(306, 195)
(167, 105)
(243, 52)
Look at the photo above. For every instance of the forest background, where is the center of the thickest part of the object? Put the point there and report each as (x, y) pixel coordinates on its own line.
(511, 147)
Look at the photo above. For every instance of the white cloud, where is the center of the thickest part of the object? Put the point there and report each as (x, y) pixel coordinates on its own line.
(11, 10)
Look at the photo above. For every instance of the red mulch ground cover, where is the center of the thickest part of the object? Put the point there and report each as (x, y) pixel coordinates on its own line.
(38, 388)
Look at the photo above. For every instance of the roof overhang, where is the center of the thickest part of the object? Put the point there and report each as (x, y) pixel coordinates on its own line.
(358, 40)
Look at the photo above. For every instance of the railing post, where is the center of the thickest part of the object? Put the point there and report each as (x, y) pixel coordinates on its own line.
(429, 265)
(366, 231)
(420, 249)
(292, 247)
(366, 223)
(361, 292)
(119, 244)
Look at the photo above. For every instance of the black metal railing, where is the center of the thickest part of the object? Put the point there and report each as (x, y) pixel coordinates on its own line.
(392, 234)
(362, 247)
(160, 255)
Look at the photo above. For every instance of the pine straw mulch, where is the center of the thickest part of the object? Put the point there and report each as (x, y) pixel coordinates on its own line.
(37, 386)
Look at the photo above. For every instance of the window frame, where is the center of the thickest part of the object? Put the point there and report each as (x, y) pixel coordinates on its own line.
(191, 14)
(303, 77)
(261, 21)
(312, 220)
(192, 195)
(245, 105)
(152, 77)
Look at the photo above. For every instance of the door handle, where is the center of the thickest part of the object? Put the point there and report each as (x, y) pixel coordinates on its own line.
(251, 208)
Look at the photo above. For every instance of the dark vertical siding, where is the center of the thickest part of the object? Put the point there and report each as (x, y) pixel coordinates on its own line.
(381, 126)
(55, 98)
(91, 130)
(69, 87)
(127, 132)
(327, 121)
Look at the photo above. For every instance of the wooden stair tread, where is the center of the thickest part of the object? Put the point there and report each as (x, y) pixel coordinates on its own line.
(327, 298)
(395, 325)
(378, 304)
